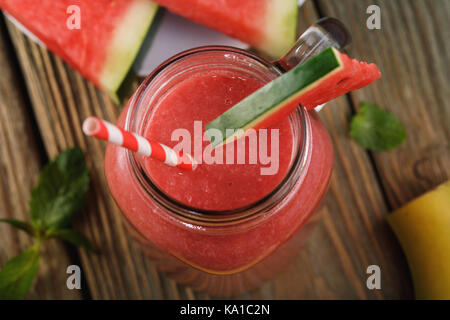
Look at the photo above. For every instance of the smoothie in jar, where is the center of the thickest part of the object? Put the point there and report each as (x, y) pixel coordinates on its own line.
(222, 219)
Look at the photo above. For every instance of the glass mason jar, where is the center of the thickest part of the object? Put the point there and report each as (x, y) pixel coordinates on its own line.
(229, 252)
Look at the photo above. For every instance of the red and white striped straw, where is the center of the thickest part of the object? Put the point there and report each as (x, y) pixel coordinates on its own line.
(105, 130)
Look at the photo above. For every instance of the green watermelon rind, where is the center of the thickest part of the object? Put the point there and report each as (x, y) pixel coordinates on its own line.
(275, 95)
(125, 45)
(281, 27)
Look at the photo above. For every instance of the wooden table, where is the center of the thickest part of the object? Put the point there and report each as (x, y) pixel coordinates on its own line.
(43, 102)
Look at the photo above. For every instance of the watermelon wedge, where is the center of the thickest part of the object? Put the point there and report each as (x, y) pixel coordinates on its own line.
(322, 78)
(268, 25)
(104, 48)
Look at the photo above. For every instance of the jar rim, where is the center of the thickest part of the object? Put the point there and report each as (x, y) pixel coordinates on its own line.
(202, 217)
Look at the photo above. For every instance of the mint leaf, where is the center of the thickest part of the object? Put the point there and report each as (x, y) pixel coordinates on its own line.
(18, 273)
(376, 129)
(60, 192)
(74, 237)
(19, 225)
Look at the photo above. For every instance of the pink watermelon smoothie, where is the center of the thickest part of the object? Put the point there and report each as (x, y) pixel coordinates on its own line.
(215, 187)
(220, 243)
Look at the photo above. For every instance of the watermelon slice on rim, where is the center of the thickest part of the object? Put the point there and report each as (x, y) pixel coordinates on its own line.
(353, 75)
(268, 25)
(320, 79)
(104, 48)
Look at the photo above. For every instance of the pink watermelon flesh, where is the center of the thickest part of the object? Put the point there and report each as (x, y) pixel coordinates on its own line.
(268, 25)
(354, 75)
(105, 46)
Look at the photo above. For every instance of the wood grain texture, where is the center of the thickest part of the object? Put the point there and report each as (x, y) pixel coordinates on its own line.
(352, 232)
(413, 52)
(20, 165)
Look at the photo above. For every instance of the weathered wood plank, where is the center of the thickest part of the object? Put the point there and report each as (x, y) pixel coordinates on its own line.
(20, 164)
(413, 53)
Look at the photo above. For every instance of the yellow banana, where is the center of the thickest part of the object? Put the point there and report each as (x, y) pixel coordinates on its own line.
(423, 229)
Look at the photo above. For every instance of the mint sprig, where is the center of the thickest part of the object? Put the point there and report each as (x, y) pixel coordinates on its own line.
(58, 196)
(376, 129)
